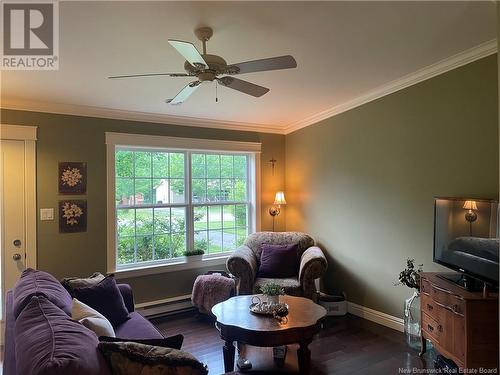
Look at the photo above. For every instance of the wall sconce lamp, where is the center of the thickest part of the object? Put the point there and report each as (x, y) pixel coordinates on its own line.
(470, 215)
(275, 209)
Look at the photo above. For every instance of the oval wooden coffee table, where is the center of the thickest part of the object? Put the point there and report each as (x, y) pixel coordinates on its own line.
(236, 323)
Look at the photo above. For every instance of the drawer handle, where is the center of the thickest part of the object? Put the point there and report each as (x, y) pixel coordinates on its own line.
(429, 307)
(430, 328)
(440, 328)
(453, 308)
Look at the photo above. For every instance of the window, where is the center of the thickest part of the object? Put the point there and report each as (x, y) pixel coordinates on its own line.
(168, 200)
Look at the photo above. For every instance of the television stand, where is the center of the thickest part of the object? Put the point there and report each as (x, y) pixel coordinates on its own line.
(463, 281)
(462, 325)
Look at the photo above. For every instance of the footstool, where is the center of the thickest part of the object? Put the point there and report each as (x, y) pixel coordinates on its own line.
(210, 289)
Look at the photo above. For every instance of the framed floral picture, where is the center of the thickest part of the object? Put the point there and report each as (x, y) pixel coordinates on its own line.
(72, 178)
(72, 216)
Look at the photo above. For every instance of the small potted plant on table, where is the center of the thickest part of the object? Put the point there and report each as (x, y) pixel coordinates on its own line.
(272, 291)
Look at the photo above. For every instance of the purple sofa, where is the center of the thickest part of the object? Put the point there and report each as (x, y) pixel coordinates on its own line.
(136, 327)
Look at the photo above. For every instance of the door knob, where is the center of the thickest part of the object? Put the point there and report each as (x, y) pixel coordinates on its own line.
(17, 243)
(16, 256)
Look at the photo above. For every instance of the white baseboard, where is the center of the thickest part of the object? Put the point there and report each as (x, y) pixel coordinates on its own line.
(165, 306)
(375, 316)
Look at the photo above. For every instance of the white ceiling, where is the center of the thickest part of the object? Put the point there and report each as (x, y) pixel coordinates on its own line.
(343, 50)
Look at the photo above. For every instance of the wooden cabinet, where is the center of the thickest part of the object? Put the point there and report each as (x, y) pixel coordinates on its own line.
(462, 325)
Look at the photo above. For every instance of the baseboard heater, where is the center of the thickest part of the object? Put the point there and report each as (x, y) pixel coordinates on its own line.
(163, 307)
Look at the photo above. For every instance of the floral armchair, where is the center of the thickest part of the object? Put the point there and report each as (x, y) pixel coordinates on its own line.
(245, 260)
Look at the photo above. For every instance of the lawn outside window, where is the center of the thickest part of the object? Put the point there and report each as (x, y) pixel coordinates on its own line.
(168, 195)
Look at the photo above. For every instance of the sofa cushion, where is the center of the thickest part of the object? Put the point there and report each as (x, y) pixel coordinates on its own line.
(128, 358)
(278, 261)
(71, 283)
(137, 327)
(50, 342)
(106, 298)
(38, 283)
(174, 342)
(92, 319)
(290, 284)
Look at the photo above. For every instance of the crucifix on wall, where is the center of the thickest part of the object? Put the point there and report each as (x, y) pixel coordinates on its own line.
(272, 162)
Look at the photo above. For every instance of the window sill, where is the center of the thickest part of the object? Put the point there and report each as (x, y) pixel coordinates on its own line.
(182, 264)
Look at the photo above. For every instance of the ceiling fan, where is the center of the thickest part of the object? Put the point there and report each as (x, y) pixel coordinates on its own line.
(208, 68)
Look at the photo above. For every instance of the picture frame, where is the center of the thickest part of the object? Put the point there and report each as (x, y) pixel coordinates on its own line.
(72, 178)
(72, 216)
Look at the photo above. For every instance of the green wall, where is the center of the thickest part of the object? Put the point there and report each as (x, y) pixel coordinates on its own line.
(362, 182)
(74, 138)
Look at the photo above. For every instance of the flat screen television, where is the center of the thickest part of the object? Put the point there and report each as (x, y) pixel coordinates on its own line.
(466, 233)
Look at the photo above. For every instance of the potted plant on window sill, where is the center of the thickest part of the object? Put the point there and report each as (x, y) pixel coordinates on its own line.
(272, 292)
(194, 255)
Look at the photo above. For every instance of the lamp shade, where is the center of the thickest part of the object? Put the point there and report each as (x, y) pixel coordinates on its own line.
(470, 205)
(279, 198)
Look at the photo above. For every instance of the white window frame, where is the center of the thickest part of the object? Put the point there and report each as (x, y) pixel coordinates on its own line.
(116, 141)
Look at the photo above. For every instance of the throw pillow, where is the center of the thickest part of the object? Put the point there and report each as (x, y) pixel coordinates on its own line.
(106, 298)
(71, 283)
(278, 261)
(38, 283)
(91, 319)
(174, 342)
(48, 342)
(128, 358)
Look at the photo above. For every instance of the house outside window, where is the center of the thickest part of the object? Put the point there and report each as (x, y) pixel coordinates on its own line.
(169, 195)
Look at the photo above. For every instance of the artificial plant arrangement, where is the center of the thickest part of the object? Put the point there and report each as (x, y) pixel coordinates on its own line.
(193, 252)
(410, 276)
(272, 289)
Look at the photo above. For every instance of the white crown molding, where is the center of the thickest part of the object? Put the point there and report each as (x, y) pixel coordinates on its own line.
(119, 114)
(478, 52)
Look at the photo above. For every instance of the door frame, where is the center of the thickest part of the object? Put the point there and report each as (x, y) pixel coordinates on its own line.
(28, 134)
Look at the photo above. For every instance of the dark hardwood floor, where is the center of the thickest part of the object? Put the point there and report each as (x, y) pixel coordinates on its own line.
(346, 345)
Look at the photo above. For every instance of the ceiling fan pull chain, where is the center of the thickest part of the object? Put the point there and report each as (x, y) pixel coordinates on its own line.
(216, 96)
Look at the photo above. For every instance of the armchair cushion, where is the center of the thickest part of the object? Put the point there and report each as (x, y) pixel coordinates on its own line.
(278, 261)
(290, 284)
(256, 240)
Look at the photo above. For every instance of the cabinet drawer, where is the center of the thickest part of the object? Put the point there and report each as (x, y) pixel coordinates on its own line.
(431, 326)
(425, 286)
(445, 299)
(428, 306)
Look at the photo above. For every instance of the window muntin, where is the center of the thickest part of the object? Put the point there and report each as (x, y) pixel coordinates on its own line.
(168, 201)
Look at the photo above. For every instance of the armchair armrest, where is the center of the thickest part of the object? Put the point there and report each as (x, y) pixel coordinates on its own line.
(313, 265)
(128, 296)
(242, 263)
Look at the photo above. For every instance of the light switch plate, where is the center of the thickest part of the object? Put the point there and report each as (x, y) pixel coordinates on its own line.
(46, 214)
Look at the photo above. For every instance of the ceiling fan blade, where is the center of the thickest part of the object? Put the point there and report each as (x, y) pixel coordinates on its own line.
(184, 93)
(190, 53)
(151, 75)
(243, 86)
(272, 63)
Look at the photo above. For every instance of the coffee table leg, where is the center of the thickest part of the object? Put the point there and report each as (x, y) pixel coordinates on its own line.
(228, 351)
(304, 357)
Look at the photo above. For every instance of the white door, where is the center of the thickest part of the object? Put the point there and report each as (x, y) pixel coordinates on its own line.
(13, 186)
